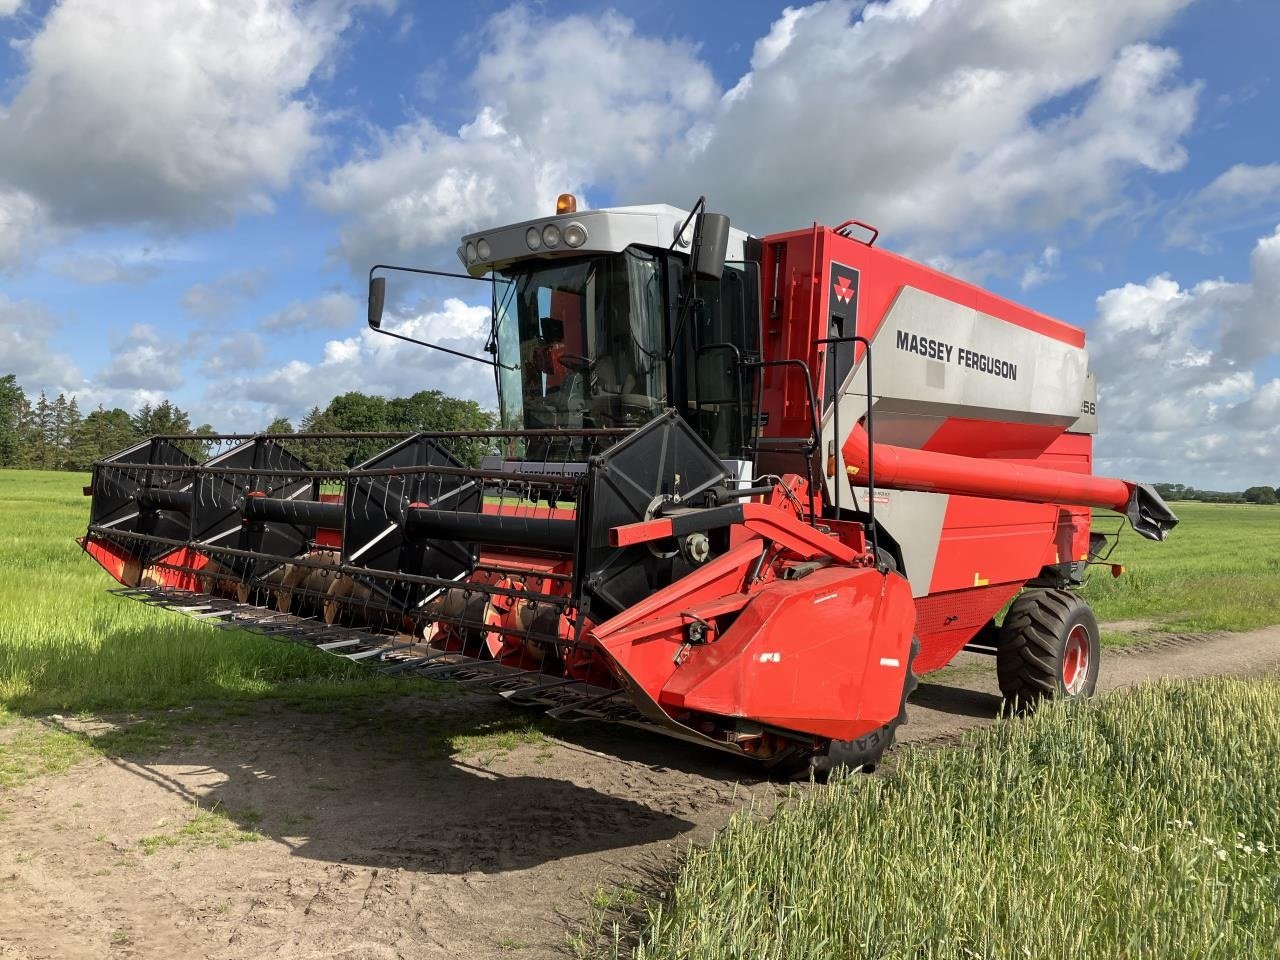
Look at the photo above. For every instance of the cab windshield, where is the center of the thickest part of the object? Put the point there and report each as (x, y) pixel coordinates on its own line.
(581, 342)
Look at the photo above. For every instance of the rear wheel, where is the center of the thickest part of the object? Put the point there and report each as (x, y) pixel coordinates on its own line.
(1048, 649)
(865, 752)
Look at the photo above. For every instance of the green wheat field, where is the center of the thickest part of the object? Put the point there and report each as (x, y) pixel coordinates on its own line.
(1137, 826)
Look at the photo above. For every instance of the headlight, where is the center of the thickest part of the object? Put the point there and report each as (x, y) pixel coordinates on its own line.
(575, 234)
(471, 251)
(483, 249)
(533, 238)
(551, 235)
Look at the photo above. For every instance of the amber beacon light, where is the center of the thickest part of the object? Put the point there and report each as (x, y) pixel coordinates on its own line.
(566, 203)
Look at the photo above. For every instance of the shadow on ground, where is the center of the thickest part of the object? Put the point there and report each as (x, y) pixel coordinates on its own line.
(957, 701)
(445, 785)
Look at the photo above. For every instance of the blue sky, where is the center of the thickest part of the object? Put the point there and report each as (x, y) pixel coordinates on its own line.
(190, 195)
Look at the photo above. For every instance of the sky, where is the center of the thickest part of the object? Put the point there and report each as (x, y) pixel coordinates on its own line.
(192, 193)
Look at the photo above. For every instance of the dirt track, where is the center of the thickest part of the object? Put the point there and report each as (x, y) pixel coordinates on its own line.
(375, 847)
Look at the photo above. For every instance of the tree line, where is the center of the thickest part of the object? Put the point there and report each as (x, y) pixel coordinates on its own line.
(1178, 491)
(53, 434)
(45, 434)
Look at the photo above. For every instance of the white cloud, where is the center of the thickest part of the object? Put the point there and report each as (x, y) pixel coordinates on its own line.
(945, 122)
(329, 311)
(1178, 369)
(1043, 269)
(1244, 181)
(1241, 196)
(133, 264)
(372, 363)
(235, 353)
(141, 369)
(104, 268)
(24, 229)
(9, 7)
(561, 104)
(164, 113)
(943, 119)
(219, 297)
(144, 360)
(91, 395)
(26, 349)
(1262, 411)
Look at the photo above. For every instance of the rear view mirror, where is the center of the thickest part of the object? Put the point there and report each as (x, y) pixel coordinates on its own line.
(713, 231)
(377, 295)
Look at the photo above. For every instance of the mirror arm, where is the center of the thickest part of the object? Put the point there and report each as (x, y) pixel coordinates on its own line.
(377, 293)
(436, 346)
(690, 294)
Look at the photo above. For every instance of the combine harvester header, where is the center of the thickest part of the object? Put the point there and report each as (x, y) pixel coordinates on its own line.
(744, 490)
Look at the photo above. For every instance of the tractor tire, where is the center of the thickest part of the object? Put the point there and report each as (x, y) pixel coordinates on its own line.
(864, 753)
(1048, 649)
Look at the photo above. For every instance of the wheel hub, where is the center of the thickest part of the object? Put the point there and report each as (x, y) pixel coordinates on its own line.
(1075, 660)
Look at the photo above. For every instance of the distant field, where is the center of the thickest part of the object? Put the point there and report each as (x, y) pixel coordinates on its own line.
(65, 644)
(1219, 570)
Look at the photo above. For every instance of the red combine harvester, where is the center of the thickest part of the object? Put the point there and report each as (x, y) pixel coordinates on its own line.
(701, 513)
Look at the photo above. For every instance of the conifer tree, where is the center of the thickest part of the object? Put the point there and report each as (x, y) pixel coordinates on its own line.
(12, 402)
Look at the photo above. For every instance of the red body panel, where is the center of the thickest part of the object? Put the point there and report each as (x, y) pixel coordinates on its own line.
(945, 622)
(1019, 493)
(825, 655)
(643, 640)
(112, 558)
(325, 536)
(992, 541)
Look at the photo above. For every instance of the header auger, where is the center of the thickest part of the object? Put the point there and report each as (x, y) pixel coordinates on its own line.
(704, 512)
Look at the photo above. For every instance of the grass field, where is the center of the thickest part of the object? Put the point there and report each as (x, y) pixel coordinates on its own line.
(66, 644)
(1219, 570)
(1140, 826)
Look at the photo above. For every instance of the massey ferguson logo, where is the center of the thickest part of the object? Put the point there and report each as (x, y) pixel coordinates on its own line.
(844, 289)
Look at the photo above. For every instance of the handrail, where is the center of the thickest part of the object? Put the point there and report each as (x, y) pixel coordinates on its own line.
(815, 436)
(745, 417)
(836, 438)
(843, 230)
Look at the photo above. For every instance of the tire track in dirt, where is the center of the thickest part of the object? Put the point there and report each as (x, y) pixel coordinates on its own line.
(376, 846)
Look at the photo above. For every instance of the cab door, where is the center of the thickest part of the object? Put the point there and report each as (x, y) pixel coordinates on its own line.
(722, 340)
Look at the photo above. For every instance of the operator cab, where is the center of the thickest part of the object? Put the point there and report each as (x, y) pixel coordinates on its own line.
(587, 307)
(603, 319)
